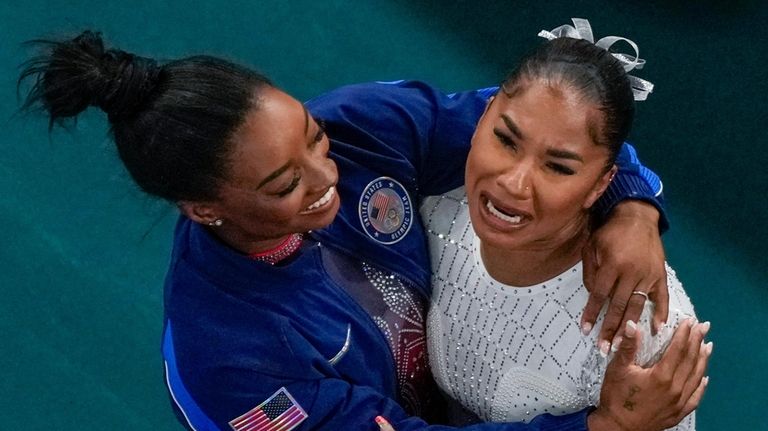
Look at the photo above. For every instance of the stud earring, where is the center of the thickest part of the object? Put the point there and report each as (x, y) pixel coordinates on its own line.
(217, 222)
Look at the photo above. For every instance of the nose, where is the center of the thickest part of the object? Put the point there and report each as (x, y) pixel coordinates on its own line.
(320, 172)
(516, 180)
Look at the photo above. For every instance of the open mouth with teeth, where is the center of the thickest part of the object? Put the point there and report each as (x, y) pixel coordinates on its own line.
(323, 201)
(502, 215)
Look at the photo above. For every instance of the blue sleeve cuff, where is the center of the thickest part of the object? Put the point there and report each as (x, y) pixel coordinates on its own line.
(570, 422)
(627, 185)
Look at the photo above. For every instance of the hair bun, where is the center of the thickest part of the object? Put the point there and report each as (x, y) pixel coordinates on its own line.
(132, 80)
(79, 73)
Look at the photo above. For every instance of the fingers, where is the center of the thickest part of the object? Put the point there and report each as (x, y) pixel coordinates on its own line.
(605, 279)
(689, 361)
(695, 399)
(677, 350)
(694, 380)
(615, 315)
(596, 297)
(659, 294)
(629, 344)
(632, 312)
(384, 425)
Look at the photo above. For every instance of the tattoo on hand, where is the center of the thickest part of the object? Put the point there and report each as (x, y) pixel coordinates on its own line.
(628, 403)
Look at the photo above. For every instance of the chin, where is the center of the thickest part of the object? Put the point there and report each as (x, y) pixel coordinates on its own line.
(324, 219)
(499, 240)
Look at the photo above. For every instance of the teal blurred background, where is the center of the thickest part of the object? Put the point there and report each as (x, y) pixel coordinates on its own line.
(83, 253)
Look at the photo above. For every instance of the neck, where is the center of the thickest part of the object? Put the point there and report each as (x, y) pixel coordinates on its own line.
(536, 264)
(246, 244)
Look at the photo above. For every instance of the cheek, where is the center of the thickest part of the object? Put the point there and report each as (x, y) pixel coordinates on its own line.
(483, 158)
(262, 213)
(561, 201)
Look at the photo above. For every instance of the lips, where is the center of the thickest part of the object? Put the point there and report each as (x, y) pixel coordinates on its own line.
(514, 219)
(322, 202)
(505, 216)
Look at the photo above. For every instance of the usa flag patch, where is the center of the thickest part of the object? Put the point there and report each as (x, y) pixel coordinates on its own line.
(280, 412)
(385, 210)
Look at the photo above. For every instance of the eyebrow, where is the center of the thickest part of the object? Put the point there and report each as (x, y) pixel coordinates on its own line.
(512, 126)
(274, 175)
(285, 167)
(563, 154)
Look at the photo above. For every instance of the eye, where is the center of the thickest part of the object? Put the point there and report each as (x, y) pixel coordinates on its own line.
(560, 169)
(292, 186)
(320, 132)
(505, 140)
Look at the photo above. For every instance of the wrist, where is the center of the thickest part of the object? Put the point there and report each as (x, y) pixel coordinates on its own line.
(636, 209)
(599, 420)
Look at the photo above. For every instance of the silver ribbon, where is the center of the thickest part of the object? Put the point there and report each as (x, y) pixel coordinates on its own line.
(582, 30)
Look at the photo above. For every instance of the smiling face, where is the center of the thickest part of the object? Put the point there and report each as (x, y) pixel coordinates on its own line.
(280, 180)
(534, 169)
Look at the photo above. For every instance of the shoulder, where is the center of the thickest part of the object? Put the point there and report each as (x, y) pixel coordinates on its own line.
(678, 297)
(680, 308)
(440, 212)
(372, 97)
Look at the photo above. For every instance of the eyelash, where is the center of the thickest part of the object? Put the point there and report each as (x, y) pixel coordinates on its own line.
(505, 140)
(560, 169)
(291, 187)
(508, 142)
(320, 133)
(296, 177)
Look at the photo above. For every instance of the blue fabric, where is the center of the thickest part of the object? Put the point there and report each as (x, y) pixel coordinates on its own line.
(633, 181)
(186, 408)
(243, 329)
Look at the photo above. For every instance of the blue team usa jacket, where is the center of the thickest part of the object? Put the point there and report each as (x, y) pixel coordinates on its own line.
(251, 346)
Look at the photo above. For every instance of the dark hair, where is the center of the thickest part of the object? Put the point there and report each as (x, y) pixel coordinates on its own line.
(172, 124)
(594, 73)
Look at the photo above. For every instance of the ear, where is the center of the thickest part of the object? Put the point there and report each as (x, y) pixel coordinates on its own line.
(199, 212)
(488, 105)
(600, 186)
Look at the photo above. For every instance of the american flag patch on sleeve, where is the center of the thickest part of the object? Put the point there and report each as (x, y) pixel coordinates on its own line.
(280, 412)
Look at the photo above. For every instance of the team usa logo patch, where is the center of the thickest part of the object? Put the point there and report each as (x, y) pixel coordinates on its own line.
(280, 412)
(386, 213)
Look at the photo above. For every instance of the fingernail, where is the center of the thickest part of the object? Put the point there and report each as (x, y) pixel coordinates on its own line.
(384, 425)
(631, 329)
(690, 322)
(604, 347)
(586, 328)
(705, 327)
(657, 325)
(616, 343)
(705, 380)
(709, 346)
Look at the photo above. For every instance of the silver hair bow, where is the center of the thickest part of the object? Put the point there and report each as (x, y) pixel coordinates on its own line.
(582, 30)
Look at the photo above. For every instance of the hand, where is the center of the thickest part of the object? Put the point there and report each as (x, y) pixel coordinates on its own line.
(635, 398)
(622, 256)
(384, 424)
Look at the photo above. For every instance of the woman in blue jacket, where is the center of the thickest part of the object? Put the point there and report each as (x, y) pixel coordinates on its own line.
(296, 292)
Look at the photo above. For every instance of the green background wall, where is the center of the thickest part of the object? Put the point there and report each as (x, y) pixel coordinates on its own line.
(83, 253)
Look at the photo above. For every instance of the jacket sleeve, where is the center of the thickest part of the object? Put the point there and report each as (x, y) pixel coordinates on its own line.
(420, 132)
(229, 391)
(431, 132)
(335, 404)
(632, 181)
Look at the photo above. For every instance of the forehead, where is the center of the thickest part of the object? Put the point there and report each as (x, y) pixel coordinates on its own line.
(553, 114)
(271, 135)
